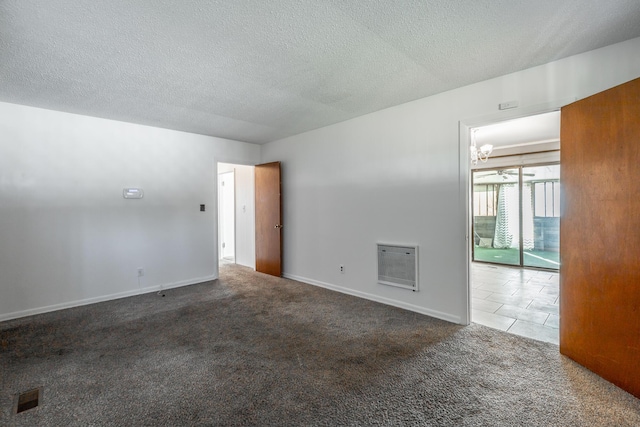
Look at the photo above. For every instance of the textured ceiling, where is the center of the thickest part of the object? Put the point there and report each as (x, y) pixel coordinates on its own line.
(258, 70)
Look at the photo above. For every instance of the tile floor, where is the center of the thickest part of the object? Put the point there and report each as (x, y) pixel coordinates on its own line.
(520, 301)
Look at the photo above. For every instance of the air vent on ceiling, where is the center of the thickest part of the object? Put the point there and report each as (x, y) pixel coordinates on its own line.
(398, 266)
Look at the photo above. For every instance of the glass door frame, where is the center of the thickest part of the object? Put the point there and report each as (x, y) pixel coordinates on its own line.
(520, 169)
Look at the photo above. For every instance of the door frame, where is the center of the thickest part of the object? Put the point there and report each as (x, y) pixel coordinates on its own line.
(216, 238)
(464, 173)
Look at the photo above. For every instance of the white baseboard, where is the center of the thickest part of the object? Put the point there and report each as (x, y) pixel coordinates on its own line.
(400, 304)
(78, 303)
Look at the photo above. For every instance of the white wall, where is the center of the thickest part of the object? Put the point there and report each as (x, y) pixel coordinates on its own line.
(245, 213)
(400, 176)
(67, 236)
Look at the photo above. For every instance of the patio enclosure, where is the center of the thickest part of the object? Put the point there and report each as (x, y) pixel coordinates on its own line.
(516, 216)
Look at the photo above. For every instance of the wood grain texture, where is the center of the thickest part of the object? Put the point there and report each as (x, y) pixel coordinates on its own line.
(600, 234)
(268, 215)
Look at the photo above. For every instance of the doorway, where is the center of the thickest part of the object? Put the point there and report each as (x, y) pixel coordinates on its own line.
(236, 214)
(510, 288)
(239, 224)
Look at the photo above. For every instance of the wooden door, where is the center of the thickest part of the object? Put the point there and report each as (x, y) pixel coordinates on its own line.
(268, 219)
(600, 234)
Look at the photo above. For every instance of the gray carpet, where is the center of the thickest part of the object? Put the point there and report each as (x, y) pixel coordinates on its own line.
(251, 349)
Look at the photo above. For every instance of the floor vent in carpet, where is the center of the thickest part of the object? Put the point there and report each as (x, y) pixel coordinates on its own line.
(28, 400)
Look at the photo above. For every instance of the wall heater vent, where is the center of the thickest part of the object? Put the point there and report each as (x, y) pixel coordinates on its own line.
(398, 266)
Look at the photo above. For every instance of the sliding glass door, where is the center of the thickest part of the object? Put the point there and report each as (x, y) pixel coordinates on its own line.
(542, 211)
(496, 216)
(516, 217)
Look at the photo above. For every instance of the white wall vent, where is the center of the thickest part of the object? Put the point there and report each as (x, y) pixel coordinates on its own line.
(398, 266)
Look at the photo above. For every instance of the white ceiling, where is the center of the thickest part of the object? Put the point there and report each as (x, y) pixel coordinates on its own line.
(258, 70)
(517, 132)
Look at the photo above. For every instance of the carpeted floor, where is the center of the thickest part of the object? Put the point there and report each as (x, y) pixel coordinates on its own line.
(251, 349)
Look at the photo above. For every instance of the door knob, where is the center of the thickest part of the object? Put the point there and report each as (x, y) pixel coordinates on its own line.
(278, 226)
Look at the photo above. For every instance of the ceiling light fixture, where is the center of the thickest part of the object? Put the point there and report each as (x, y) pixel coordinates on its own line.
(482, 153)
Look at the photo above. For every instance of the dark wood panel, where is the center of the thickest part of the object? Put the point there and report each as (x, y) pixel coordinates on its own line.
(268, 219)
(600, 234)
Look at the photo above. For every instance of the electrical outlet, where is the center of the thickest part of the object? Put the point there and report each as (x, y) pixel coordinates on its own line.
(140, 272)
(341, 268)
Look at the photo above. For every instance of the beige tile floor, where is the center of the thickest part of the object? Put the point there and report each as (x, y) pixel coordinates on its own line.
(519, 301)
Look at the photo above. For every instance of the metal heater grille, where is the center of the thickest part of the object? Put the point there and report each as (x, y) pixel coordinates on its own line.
(398, 266)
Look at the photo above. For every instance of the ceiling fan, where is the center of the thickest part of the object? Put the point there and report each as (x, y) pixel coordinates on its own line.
(503, 173)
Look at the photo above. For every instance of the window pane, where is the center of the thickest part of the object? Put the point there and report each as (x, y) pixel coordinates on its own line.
(496, 221)
(539, 198)
(545, 248)
(556, 199)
